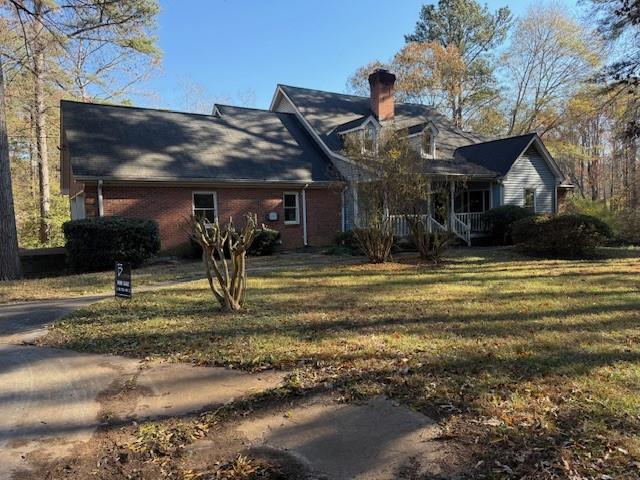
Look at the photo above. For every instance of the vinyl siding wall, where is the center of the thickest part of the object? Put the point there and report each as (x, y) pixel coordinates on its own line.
(530, 171)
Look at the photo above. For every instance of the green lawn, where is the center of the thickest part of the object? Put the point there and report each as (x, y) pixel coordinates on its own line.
(93, 283)
(102, 282)
(534, 364)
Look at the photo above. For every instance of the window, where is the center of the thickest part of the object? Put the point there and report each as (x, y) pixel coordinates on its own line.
(290, 203)
(427, 143)
(204, 205)
(369, 139)
(530, 199)
(472, 201)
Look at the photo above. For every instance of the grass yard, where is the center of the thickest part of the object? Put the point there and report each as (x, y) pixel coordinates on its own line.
(534, 365)
(102, 282)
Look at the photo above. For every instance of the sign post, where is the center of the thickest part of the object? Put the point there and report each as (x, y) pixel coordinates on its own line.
(123, 280)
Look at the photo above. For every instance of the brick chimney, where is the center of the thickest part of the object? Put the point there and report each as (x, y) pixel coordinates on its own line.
(381, 82)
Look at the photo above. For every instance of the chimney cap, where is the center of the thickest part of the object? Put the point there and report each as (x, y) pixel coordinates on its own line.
(383, 76)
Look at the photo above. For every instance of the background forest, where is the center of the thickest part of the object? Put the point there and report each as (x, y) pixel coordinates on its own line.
(571, 77)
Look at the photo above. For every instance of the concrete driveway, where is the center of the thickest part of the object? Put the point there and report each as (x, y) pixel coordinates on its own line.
(50, 399)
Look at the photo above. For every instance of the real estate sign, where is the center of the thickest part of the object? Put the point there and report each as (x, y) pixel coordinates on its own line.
(123, 280)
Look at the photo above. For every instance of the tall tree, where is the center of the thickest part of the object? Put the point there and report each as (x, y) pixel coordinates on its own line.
(426, 73)
(475, 32)
(93, 42)
(9, 257)
(550, 55)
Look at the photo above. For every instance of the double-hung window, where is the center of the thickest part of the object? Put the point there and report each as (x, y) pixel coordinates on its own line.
(530, 199)
(369, 139)
(291, 209)
(204, 205)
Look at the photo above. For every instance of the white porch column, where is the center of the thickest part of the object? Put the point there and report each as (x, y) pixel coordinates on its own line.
(452, 191)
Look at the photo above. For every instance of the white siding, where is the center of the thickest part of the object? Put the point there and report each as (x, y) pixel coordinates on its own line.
(530, 171)
(77, 207)
(284, 106)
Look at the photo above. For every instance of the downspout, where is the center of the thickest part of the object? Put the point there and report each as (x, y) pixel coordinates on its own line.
(100, 200)
(304, 215)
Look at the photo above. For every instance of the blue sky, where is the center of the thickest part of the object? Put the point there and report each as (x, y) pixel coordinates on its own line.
(234, 49)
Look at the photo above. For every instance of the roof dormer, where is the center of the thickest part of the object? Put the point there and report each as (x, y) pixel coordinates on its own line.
(424, 138)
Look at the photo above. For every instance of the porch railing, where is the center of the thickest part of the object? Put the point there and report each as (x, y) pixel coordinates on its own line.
(401, 228)
(475, 221)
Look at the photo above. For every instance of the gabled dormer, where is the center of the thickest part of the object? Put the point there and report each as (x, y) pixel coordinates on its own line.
(424, 138)
(365, 130)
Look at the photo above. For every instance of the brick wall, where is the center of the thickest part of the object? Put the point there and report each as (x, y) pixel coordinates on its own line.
(171, 207)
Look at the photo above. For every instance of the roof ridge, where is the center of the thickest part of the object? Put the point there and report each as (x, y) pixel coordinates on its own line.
(165, 110)
(363, 97)
(254, 109)
(498, 140)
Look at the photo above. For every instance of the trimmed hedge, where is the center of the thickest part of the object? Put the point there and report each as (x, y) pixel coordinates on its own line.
(265, 243)
(96, 243)
(563, 235)
(500, 220)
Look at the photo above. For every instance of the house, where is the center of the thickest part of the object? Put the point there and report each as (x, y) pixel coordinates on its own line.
(287, 163)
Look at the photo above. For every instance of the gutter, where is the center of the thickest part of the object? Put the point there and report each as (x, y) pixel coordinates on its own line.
(172, 181)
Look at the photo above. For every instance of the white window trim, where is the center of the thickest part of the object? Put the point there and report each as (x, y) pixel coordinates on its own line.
(434, 133)
(524, 198)
(297, 220)
(363, 132)
(202, 192)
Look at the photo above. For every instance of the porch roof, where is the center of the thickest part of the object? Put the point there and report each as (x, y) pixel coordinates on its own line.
(495, 155)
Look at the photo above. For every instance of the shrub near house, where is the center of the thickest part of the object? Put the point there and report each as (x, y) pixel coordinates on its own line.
(563, 235)
(96, 243)
(500, 219)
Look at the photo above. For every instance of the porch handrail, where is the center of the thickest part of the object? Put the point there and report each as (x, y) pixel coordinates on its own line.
(436, 226)
(400, 226)
(461, 229)
(475, 220)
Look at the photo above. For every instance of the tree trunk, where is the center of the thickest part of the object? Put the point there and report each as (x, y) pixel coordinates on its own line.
(41, 128)
(633, 174)
(9, 257)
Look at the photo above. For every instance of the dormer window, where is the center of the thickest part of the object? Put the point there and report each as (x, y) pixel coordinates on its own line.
(369, 139)
(428, 146)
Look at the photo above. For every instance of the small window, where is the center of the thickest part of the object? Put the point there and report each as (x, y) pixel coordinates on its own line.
(204, 205)
(369, 139)
(291, 211)
(530, 199)
(427, 143)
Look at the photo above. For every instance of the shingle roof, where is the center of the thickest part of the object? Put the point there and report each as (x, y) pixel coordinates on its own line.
(328, 112)
(497, 155)
(107, 141)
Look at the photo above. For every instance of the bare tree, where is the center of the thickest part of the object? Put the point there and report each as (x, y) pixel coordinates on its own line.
(548, 58)
(227, 278)
(9, 256)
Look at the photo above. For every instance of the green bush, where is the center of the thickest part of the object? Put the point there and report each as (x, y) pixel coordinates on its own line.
(625, 224)
(500, 220)
(627, 228)
(96, 243)
(265, 242)
(563, 235)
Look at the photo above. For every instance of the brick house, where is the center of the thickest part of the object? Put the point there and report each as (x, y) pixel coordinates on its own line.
(286, 164)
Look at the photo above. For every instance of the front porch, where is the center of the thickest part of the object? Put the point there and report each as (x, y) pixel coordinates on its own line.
(463, 214)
